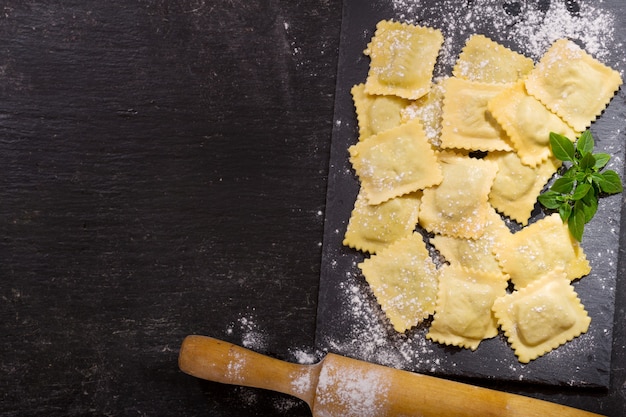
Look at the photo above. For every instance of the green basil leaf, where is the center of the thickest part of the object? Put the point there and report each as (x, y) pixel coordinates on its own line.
(565, 210)
(581, 176)
(585, 143)
(562, 148)
(601, 160)
(597, 178)
(581, 190)
(576, 223)
(588, 161)
(563, 185)
(570, 172)
(610, 183)
(550, 200)
(589, 205)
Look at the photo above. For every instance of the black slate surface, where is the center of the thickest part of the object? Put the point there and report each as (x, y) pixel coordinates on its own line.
(163, 171)
(349, 319)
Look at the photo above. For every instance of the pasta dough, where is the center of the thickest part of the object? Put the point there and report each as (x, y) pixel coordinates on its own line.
(458, 206)
(528, 123)
(374, 227)
(375, 114)
(487, 61)
(402, 59)
(404, 280)
(466, 121)
(395, 162)
(539, 248)
(541, 316)
(463, 314)
(517, 186)
(573, 84)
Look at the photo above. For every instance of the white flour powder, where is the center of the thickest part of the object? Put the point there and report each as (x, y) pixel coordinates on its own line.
(532, 26)
(355, 392)
(252, 337)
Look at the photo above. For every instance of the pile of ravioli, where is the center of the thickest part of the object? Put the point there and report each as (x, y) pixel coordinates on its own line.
(453, 157)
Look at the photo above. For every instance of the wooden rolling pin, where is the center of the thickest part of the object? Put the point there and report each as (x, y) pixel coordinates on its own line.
(342, 387)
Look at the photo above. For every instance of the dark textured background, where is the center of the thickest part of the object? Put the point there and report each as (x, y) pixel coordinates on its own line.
(163, 171)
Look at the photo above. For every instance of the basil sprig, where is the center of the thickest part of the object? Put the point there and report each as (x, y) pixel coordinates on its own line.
(575, 194)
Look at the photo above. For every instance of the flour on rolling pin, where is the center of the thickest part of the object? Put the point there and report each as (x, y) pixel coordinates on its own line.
(358, 392)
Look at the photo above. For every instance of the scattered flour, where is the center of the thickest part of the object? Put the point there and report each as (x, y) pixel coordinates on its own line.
(305, 357)
(531, 26)
(252, 337)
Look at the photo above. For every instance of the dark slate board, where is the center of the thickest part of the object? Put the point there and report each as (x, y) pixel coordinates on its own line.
(349, 320)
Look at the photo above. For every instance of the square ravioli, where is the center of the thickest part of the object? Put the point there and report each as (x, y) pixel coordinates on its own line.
(528, 123)
(474, 253)
(573, 84)
(516, 187)
(375, 114)
(466, 121)
(463, 315)
(404, 280)
(403, 59)
(395, 162)
(539, 248)
(541, 316)
(485, 60)
(459, 206)
(373, 227)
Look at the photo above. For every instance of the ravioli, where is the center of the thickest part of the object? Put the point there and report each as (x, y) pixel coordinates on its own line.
(463, 314)
(541, 316)
(466, 120)
(376, 113)
(403, 59)
(395, 162)
(573, 84)
(404, 280)
(528, 123)
(516, 186)
(539, 248)
(373, 227)
(459, 206)
(461, 155)
(474, 253)
(485, 60)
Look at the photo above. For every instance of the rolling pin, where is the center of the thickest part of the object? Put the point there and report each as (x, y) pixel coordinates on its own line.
(338, 386)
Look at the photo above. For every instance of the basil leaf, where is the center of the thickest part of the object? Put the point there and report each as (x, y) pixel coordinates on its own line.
(581, 191)
(550, 200)
(563, 185)
(575, 193)
(576, 223)
(562, 148)
(588, 161)
(570, 172)
(589, 205)
(580, 176)
(565, 210)
(585, 143)
(610, 183)
(601, 160)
